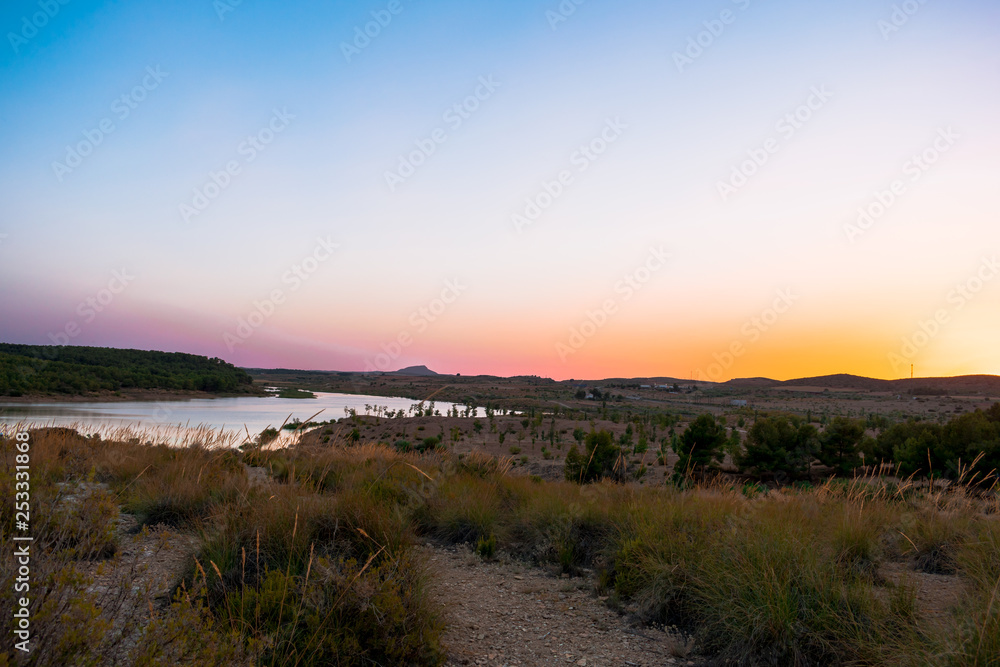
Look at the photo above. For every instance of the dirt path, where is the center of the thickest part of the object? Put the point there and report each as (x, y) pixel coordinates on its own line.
(507, 613)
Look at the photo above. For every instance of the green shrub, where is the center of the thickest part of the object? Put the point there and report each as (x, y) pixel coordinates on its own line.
(777, 444)
(602, 459)
(700, 446)
(486, 546)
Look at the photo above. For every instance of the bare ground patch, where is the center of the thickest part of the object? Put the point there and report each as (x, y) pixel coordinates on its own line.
(508, 613)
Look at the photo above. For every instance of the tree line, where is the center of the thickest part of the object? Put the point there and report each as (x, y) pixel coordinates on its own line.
(49, 369)
(785, 447)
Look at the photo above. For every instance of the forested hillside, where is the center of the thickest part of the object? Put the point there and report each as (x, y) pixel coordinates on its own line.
(49, 369)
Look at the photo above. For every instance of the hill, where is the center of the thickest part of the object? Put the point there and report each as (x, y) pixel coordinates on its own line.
(962, 384)
(70, 370)
(417, 371)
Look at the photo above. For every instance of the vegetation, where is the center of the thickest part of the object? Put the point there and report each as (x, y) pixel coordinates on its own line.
(295, 393)
(700, 446)
(313, 568)
(780, 444)
(48, 369)
(839, 444)
(966, 445)
(602, 459)
(311, 559)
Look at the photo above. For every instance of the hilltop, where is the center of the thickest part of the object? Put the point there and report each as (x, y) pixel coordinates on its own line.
(57, 370)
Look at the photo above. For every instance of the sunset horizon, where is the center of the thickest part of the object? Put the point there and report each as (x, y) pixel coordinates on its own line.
(564, 189)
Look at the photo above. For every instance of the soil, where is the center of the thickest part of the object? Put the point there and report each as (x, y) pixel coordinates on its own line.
(508, 613)
(937, 595)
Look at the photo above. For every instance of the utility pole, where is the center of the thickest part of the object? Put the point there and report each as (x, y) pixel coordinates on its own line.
(911, 371)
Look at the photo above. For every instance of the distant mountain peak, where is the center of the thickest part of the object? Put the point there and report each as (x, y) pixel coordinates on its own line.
(414, 370)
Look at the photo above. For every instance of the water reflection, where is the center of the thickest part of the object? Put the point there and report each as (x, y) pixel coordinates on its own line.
(232, 418)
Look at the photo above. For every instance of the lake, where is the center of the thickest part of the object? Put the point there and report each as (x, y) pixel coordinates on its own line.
(174, 420)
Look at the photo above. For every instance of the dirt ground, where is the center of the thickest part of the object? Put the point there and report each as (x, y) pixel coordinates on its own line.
(507, 613)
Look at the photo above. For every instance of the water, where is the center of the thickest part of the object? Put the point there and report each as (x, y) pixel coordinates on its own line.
(233, 416)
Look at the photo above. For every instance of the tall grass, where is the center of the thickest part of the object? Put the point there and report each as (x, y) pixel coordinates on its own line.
(314, 562)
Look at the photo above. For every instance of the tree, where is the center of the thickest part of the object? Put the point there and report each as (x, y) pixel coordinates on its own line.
(601, 459)
(734, 446)
(968, 438)
(968, 445)
(839, 444)
(777, 444)
(914, 446)
(700, 445)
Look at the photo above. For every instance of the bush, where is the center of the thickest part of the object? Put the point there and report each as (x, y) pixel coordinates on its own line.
(602, 459)
(839, 444)
(182, 493)
(357, 614)
(700, 446)
(428, 444)
(486, 546)
(777, 444)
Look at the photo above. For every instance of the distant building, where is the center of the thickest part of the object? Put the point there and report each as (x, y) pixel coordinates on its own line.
(645, 386)
(738, 403)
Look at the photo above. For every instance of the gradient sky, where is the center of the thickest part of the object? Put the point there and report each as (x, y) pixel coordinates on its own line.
(524, 296)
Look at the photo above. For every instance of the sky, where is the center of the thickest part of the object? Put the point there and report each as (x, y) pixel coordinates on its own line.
(575, 189)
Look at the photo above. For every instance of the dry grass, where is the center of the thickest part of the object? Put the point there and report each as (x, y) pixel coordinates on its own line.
(315, 565)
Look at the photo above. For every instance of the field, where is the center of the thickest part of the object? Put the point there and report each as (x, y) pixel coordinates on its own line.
(833, 395)
(333, 552)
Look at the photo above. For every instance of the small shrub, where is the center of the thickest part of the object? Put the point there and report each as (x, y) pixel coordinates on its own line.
(486, 546)
(857, 544)
(933, 540)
